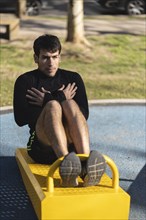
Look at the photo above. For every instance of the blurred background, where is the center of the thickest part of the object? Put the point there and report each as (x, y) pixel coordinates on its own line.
(91, 7)
(107, 48)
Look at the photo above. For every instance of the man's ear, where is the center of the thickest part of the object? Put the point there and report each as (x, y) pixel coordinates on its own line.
(36, 59)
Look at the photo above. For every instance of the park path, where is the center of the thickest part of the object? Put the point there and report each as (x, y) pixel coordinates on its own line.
(31, 27)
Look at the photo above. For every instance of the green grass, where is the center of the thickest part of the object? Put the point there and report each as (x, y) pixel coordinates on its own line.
(114, 67)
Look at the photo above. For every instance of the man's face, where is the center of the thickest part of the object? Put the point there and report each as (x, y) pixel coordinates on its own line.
(48, 62)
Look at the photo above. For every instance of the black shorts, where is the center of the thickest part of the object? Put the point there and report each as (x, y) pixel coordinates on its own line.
(36, 152)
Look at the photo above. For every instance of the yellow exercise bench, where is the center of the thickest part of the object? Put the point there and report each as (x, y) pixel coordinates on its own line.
(51, 201)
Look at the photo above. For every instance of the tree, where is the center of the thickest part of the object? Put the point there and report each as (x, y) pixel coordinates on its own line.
(75, 23)
(20, 8)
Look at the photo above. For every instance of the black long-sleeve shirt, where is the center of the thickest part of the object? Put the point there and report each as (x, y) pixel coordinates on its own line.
(26, 113)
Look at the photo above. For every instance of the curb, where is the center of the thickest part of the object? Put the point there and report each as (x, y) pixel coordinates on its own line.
(118, 102)
(6, 109)
(101, 102)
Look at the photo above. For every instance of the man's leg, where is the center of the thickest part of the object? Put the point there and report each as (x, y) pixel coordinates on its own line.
(94, 167)
(50, 130)
(76, 126)
(77, 132)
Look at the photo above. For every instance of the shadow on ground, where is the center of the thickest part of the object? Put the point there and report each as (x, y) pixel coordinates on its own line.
(137, 190)
(14, 200)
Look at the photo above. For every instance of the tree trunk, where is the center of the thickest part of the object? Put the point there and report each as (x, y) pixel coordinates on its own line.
(75, 23)
(21, 8)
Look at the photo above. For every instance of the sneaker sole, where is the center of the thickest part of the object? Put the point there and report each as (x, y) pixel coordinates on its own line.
(96, 166)
(69, 170)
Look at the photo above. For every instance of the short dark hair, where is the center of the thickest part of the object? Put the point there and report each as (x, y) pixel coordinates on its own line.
(48, 42)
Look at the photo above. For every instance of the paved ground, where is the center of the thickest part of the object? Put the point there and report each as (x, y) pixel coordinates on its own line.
(120, 25)
(117, 131)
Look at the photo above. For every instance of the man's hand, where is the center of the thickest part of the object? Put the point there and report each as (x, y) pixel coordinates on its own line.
(69, 91)
(35, 96)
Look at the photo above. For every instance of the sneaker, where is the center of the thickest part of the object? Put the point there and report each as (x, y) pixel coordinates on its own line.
(93, 169)
(70, 169)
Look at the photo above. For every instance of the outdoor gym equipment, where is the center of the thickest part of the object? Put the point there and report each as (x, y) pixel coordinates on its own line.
(52, 201)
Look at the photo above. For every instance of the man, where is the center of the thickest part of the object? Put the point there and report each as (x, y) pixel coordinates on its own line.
(53, 103)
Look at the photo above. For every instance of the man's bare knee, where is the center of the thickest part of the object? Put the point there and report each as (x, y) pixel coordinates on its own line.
(70, 108)
(53, 107)
(51, 113)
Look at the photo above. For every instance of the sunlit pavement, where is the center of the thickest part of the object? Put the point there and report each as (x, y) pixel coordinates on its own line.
(115, 130)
